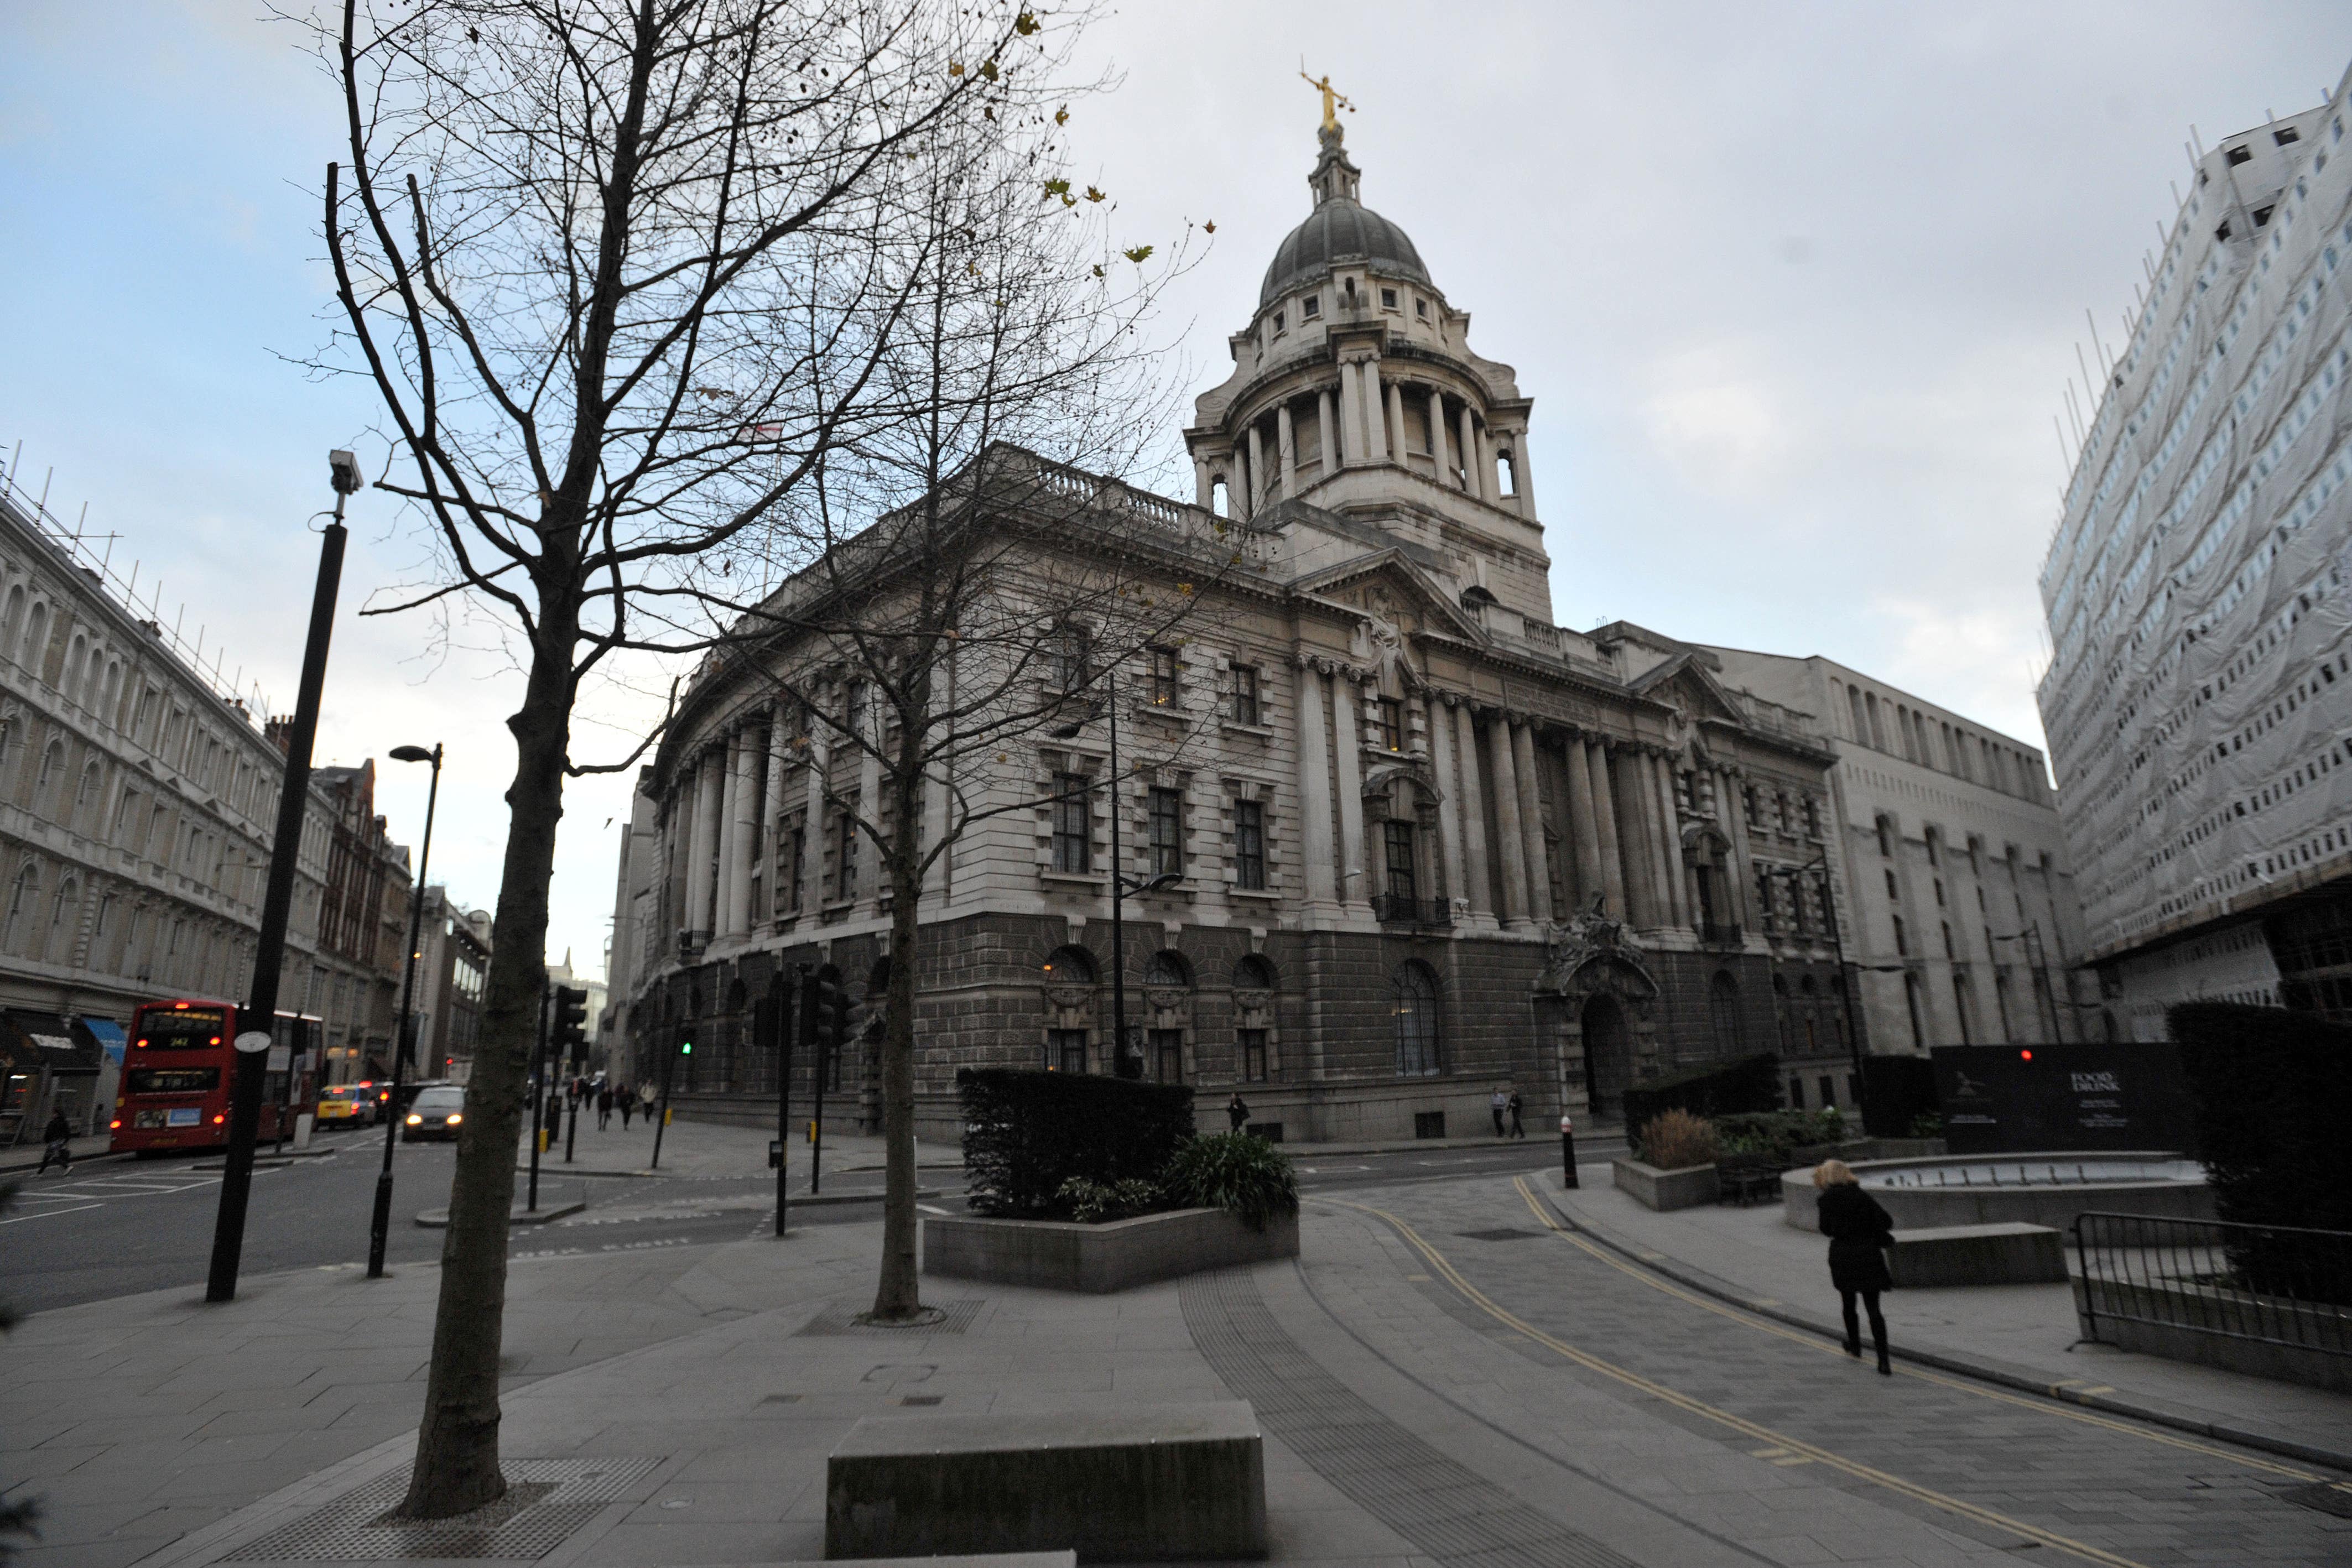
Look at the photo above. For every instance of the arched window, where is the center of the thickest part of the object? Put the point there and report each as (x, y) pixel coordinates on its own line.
(1254, 973)
(37, 639)
(1861, 724)
(23, 901)
(13, 617)
(1167, 968)
(8, 736)
(1070, 966)
(77, 657)
(1960, 1008)
(85, 807)
(57, 947)
(1414, 993)
(1723, 1011)
(53, 762)
(1911, 1002)
(1781, 1014)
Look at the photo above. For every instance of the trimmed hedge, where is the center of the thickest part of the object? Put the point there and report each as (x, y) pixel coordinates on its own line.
(1026, 1133)
(1720, 1088)
(2273, 1093)
(1896, 1091)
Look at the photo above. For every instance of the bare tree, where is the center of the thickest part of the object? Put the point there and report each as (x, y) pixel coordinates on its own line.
(624, 273)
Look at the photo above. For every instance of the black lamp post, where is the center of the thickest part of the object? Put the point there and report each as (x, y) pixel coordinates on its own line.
(1120, 884)
(380, 1226)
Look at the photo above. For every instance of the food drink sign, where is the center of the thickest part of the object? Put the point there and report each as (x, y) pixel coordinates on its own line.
(2019, 1099)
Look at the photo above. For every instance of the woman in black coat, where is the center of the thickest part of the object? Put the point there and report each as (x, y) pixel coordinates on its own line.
(1859, 1232)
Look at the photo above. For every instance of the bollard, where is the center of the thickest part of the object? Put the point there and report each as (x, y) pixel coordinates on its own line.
(1568, 1152)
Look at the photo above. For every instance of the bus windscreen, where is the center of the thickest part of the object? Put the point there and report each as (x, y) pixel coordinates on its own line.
(181, 1030)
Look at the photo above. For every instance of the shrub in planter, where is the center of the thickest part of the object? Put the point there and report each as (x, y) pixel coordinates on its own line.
(1779, 1133)
(1675, 1140)
(1092, 1203)
(1027, 1133)
(1750, 1084)
(1241, 1173)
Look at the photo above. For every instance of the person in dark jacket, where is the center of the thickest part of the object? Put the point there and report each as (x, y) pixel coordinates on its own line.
(1237, 1111)
(1859, 1231)
(58, 1139)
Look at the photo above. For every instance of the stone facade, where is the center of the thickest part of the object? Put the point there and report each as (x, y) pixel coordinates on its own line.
(1422, 841)
(453, 967)
(137, 800)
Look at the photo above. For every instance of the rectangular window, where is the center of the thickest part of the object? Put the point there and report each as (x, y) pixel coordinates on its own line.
(1246, 703)
(2237, 155)
(1073, 823)
(1249, 845)
(1167, 808)
(1388, 298)
(1068, 659)
(1397, 839)
(1251, 1045)
(845, 870)
(1829, 1092)
(1387, 724)
(1796, 1093)
(1065, 1050)
(1168, 1055)
(1162, 688)
(1421, 309)
(1310, 307)
(795, 867)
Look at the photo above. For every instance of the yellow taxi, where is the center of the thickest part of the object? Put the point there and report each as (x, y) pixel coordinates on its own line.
(353, 1104)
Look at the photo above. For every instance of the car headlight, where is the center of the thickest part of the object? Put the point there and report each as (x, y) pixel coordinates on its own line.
(415, 1120)
(456, 1117)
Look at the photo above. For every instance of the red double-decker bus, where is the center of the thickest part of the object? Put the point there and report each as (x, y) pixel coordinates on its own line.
(179, 1065)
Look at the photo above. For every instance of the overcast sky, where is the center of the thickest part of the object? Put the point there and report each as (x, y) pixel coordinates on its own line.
(1795, 289)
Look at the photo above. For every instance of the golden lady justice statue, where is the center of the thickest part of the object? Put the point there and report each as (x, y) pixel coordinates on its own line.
(1331, 100)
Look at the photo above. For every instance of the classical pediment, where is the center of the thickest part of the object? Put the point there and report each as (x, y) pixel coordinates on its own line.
(1388, 587)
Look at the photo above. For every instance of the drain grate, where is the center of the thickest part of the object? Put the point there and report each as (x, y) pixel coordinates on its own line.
(920, 1398)
(1506, 1234)
(841, 1318)
(2327, 1497)
(546, 1501)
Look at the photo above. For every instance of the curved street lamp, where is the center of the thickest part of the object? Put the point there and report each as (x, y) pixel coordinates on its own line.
(380, 1226)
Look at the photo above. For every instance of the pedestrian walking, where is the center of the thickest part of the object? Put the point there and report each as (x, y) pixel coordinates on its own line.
(1859, 1232)
(627, 1100)
(1237, 1111)
(645, 1101)
(1497, 1105)
(57, 1140)
(1518, 1129)
(603, 1106)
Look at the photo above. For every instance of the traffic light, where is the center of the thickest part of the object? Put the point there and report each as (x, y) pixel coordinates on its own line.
(832, 1013)
(571, 1020)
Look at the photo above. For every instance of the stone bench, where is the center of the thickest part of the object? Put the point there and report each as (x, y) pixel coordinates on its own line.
(1127, 1483)
(2010, 1254)
(1065, 1255)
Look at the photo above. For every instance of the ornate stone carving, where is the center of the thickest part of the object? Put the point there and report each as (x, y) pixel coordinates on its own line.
(1165, 998)
(1252, 998)
(1069, 998)
(1594, 952)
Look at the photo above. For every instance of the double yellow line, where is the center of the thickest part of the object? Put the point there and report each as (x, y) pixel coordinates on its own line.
(1784, 1448)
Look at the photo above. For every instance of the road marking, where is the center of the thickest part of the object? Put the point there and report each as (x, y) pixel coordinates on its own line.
(1756, 1430)
(927, 1209)
(1812, 1342)
(50, 1214)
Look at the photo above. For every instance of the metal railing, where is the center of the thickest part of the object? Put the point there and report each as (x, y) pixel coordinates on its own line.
(1394, 909)
(2271, 1283)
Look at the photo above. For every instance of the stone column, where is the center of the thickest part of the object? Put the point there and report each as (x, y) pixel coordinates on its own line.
(771, 809)
(1285, 445)
(1634, 805)
(1314, 791)
(1469, 450)
(1449, 797)
(1677, 883)
(1437, 436)
(1369, 401)
(701, 895)
(677, 827)
(1396, 421)
(722, 888)
(1480, 884)
(1531, 824)
(743, 824)
(1524, 472)
(1604, 822)
(1581, 823)
(1205, 487)
(868, 721)
(820, 757)
(1510, 838)
(1741, 871)
(1347, 703)
(1351, 425)
(1258, 468)
(1327, 435)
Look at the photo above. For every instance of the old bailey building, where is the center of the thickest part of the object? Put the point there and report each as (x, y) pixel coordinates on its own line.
(1407, 838)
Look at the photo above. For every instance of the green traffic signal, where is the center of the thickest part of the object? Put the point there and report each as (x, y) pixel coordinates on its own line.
(685, 1048)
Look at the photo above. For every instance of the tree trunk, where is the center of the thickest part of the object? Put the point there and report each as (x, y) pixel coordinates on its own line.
(457, 1443)
(898, 1294)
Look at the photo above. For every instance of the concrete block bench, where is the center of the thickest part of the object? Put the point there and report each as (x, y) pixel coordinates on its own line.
(1063, 1255)
(2010, 1254)
(1654, 1186)
(1129, 1484)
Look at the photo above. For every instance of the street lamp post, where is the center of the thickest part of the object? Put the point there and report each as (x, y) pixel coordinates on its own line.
(1120, 886)
(278, 900)
(380, 1226)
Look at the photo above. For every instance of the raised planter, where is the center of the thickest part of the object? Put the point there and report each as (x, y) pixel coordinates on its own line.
(1664, 1189)
(1063, 1255)
(1114, 1481)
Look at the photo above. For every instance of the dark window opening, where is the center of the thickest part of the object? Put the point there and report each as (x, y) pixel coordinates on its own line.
(1246, 702)
(1310, 307)
(2263, 215)
(1388, 298)
(1164, 668)
(1253, 1052)
(2287, 134)
(1065, 1050)
(1168, 1055)
(2236, 155)
(1388, 721)
(1397, 838)
(1073, 830)
(1167, 831)
(1249, 845)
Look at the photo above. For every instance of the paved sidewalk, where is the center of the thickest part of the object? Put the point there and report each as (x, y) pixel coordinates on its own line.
(718, 1151)
(27, 1157)
(2029, 1331)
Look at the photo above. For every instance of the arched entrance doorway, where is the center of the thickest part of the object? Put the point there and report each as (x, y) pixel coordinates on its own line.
(1607, 1052)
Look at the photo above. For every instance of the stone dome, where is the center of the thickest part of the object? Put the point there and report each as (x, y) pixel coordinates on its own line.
(1339, 230)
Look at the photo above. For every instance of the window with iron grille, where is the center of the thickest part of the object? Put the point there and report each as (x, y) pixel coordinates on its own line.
(1415, 1003)
(1167, 831)
(1249, 844)
(1073, 824)
(1245, 702)
(1163, 671)
(1252, 1042)
(1398, 838)
(1387, 724)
